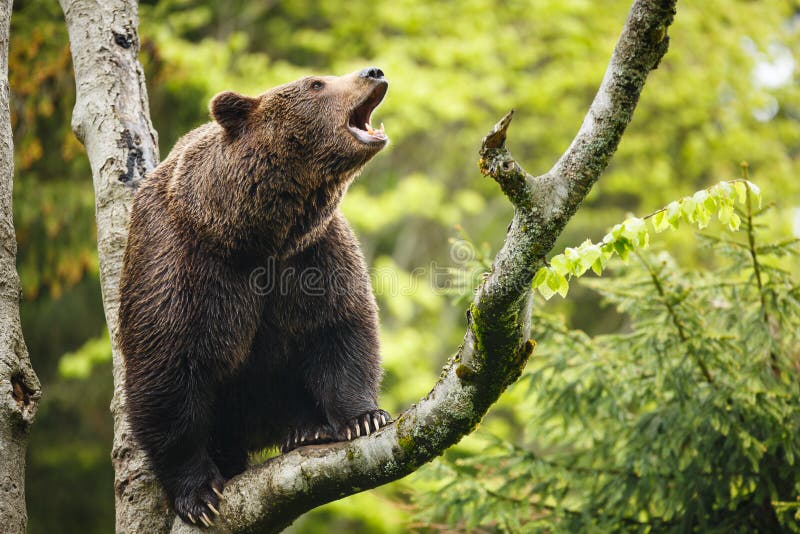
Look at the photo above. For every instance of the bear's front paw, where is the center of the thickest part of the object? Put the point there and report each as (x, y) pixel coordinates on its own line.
(306, 435)
(200, 503)
(364, 424)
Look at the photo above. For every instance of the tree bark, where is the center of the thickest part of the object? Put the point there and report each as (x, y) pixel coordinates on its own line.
(19, 386)
(112, 120)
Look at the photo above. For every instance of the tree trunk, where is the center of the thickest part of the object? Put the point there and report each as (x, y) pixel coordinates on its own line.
(112, 120)
(19, 386)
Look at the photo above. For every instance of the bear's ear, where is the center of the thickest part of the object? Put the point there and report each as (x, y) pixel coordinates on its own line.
(231, 110)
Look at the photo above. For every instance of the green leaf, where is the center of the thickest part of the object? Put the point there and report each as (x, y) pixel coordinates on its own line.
(573, 257)
(623, 246)
(557, 283)
(560, 264)
(725, 190)
(545, 291)
(702, 215)
(688, 207)
(659, 221)
(563, 286)
(633, 229)
(741, 191)
(700, 196)
(734, 223)
(552, 279)
(674, 214)
(598, 265)
(589, 254)
(710, 204)
(725, 213)
(540, 277)
(639, 234)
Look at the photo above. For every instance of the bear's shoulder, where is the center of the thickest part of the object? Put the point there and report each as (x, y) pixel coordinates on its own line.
(202, 137)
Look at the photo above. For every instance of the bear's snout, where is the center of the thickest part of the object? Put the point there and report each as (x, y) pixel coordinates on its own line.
(371, 72)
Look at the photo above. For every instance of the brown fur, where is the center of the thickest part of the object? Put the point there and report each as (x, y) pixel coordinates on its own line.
(216, 367)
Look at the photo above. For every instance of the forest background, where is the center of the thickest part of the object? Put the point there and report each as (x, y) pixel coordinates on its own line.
(726, 91)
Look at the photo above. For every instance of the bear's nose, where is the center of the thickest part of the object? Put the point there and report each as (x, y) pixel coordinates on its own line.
(371, 72)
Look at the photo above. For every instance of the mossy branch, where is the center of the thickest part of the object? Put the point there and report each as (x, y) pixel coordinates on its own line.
(496, 347)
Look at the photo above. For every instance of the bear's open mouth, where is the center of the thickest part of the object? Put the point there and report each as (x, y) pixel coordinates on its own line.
(359, 121)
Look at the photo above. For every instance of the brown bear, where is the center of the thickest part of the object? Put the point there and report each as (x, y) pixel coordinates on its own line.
(247, 318)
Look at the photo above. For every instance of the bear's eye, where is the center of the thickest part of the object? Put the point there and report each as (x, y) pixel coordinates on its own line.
(317, 85)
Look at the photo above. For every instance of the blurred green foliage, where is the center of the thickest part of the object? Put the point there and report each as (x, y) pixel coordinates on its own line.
(726, 91)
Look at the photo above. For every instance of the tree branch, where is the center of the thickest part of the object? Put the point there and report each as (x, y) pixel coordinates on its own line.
(111, 118)
(19, 386)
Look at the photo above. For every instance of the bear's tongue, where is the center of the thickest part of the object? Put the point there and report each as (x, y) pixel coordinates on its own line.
(368, 134)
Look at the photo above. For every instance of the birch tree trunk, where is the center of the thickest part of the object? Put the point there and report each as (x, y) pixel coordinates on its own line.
(19, 386)
(111, 118)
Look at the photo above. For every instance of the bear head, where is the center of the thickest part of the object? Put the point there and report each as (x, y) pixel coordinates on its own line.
(267, 176)
(318, 127)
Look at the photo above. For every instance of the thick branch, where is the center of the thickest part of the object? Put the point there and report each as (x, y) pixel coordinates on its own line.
(112, 119)
(19, 386)
(495, 349)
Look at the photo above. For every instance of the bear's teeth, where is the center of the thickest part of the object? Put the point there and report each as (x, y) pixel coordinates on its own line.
(375, 132)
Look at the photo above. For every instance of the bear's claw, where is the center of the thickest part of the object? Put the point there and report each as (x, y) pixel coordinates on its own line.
(365, 424)
(302, 436)
(200, 504)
